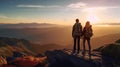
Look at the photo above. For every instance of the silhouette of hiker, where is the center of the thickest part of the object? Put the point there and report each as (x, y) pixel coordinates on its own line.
(87, 34)
(76, 33)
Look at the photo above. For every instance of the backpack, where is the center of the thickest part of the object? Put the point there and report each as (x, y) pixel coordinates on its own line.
(88, 32)
(77, 29)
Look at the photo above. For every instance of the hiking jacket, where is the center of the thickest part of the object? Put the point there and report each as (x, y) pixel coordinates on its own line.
(87, 32)
(77, 29)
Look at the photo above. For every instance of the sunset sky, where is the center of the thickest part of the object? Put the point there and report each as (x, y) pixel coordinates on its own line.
(59, 11)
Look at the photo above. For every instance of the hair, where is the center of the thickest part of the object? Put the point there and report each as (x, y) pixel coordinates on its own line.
(77, 20)
(87, 24)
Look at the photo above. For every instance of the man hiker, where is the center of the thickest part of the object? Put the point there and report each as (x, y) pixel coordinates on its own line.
(76, 34)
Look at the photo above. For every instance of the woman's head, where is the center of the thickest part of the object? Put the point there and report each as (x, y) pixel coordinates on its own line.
(87, 24)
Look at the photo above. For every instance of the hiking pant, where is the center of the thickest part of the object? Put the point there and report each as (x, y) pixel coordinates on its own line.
(89, 46)
(76, 44)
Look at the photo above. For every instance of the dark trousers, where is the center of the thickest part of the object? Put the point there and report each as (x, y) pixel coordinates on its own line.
(76, 44)
(89, 46)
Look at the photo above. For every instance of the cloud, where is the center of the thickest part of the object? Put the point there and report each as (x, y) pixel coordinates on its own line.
(88, 9)
(37, 6)
(77, 5)
(30, 6)
(3, 17)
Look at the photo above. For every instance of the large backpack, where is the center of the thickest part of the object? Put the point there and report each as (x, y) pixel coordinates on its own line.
(77, 29)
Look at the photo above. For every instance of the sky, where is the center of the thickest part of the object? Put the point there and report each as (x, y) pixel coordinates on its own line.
(59, 11)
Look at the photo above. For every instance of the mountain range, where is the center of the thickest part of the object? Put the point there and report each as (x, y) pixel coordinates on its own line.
(28, 25)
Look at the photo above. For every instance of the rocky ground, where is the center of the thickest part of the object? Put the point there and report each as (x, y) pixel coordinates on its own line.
(61, 58)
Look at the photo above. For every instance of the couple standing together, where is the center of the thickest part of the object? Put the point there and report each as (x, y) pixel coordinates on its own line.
(86, 33)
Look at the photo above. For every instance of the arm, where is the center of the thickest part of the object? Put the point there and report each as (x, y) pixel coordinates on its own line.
(91, 28)
(83, 31)
(80, 30)
(72, 30)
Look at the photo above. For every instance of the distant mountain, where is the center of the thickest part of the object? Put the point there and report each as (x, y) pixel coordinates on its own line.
(10, 46)
(28, 25)
(99, 41)
(108, 23)
(103, 40)
(95, 43)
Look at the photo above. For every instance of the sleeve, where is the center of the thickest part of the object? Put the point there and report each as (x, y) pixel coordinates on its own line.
(91, 28)
(80, 28)
(83, 31)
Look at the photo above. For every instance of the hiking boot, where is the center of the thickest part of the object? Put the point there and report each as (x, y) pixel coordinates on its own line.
(78, 52)
(83, 52)
(74, 51)
(75, 54)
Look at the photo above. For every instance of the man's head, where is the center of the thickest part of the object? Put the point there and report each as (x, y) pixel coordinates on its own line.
(77, 20)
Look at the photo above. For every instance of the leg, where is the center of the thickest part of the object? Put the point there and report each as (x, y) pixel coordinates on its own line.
(78, 50)
(84, 47)
(88, 40)
(74, 47)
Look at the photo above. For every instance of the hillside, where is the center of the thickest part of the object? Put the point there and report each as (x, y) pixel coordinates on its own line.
(95, 43)
(106, 39)
(99, 41)
(8, 46)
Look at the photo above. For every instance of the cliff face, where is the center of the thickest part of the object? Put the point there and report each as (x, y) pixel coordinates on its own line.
(118, 41)
(8, 46)
(111, 50)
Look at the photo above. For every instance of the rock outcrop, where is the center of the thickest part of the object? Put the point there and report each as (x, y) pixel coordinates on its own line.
(59, 58)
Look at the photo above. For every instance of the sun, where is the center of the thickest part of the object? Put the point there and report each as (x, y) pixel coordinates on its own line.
(92, 18)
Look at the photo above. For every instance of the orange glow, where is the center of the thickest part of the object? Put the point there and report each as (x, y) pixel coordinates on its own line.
(92, 18)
